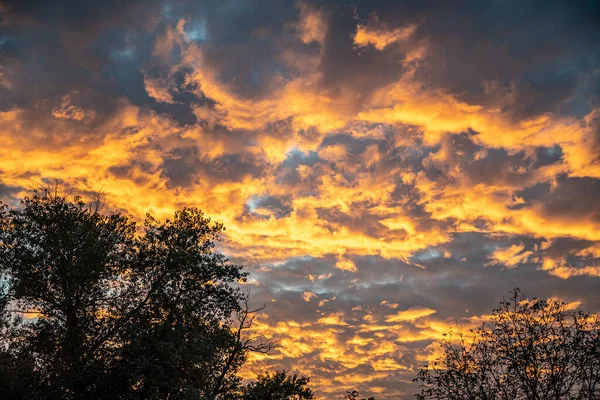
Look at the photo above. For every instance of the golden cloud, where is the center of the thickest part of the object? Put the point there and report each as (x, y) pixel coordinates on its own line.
(380, 38)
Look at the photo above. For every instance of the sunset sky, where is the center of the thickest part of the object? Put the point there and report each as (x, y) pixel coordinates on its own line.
(384, 169)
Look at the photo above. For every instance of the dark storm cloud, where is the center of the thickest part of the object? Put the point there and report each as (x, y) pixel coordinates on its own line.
(521, 56)
(184, 167)
(60, 45)
(274, 206)
(595, 124)
(574, 198)
(7, 191)
(73, 14)
(493, 166)
(344, 68)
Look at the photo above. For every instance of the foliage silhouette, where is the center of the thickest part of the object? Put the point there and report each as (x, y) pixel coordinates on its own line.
(354, 395)
(531, 349)
(278, 386)
(91, 307)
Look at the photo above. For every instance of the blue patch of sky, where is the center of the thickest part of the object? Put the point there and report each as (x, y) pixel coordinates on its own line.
(125, 54)
(295, 157)
(427, 255)
(253, 203)
(291, 263)
(196, 30)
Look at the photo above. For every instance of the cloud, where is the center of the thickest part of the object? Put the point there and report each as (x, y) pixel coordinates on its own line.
(510, 256)
(66, 110)
(308, 296)
(312, 25)
(4, 77)
(157, 91)
(346, 265)
(379, 36)
(410, 315)
(570, 259)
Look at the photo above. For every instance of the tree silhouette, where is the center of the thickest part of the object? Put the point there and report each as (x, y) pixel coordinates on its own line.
(531, 349)
(354, 395)
(92, 307)
(278, 386)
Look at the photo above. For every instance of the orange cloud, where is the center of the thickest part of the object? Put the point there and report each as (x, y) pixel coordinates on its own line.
(308, 296)
(510, 256)
(380, 38)
(411, 314)
(312, 26)
(346, 265)
(72, 112)
(157, 90)
(557, 265)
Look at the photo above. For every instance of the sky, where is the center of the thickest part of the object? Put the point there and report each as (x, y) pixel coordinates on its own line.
(385, 170)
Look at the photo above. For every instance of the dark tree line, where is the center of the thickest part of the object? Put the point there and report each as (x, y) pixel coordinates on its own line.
(529, 350)
(119, 314)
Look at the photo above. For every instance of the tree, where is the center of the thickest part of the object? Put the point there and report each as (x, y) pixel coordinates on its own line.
(532, 349)
(93, 307)
(58, 260)
(354, 395)
(278, 386)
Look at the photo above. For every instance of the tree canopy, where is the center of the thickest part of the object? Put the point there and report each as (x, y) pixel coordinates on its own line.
(93, 307)
(529, 349)
(279, 386)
